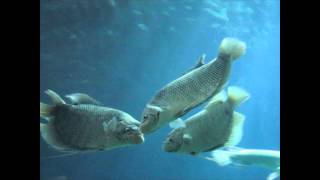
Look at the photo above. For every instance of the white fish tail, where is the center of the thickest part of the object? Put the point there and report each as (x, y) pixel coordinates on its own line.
(237, 95)
(232, 47)
(46, 111)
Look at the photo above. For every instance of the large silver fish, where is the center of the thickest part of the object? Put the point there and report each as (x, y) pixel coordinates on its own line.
(269, 159)
(86, 126)
(190, 90)
(218, 125)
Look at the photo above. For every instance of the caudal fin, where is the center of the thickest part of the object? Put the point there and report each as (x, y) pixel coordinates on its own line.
(46, 111)
(233, 48)
(237, 95)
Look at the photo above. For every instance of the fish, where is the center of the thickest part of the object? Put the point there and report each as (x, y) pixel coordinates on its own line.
(84, 126)
(192, 88)
(268, 159)
(220, 14)
(143, 27)
(216, 126)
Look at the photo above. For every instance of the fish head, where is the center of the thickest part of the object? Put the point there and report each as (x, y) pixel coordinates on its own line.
(127, 130)
(150, 118)
(174, 140)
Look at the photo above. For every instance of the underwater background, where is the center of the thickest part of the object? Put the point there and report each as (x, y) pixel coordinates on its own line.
(121, 52)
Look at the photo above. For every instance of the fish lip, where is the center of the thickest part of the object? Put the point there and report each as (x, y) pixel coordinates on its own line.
(145, 127)
(138, 139)
(165, 147)
(136, 136)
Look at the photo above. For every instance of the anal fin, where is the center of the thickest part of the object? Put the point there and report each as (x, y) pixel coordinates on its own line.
(237, 129)
(48, 133)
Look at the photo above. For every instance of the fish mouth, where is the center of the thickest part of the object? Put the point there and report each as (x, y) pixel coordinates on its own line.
(167, 148)
(137, 138)
(146, 127)
(170, 147)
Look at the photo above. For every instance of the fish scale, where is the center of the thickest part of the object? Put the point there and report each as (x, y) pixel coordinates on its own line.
(215, 121)
(77, 131)
(193, 88)
(92, 124)
(85, 125)
(217, 125)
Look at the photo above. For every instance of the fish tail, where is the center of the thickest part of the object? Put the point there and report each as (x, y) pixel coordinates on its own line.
(232, 47)
(237, 95)
(46, 111)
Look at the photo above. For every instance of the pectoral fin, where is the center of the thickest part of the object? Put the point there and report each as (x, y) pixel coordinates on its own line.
(177, 123)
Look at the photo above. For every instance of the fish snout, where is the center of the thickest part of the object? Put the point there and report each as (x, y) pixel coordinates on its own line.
(134, 134)
(146, 127)
(166, 147)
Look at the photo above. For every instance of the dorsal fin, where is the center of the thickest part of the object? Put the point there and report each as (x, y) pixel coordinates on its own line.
(56, 99)
(200, 62)
(81, 98)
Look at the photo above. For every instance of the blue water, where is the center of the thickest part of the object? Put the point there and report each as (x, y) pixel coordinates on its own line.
(122, 52)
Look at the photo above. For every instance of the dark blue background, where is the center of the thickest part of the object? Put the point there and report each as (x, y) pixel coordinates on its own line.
(93, 47)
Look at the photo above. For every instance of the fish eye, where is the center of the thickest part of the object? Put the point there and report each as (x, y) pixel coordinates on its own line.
(170, 140)
(127, 129)
(145, 116)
